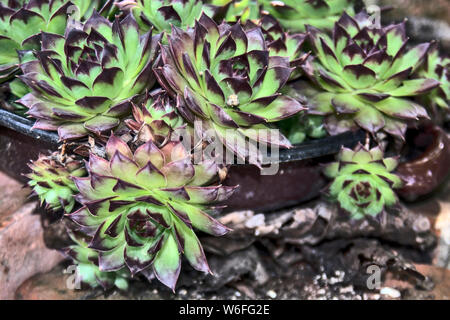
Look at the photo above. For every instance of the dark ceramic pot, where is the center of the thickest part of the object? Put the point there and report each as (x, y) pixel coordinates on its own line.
(299, 177)
(429, 166)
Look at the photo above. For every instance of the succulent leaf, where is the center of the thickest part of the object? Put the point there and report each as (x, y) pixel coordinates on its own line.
(242, 10)
(161, 15)
(88, 270)
(296, 14)
(282, 44)
(438, 68)
(158, 112)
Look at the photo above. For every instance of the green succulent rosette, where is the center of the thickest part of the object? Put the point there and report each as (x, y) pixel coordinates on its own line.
(225, 79)
(294, 15)
(437, 67)
(242, 10)
(364, 74)
(284, 44)
(51, 180)
(140, 208)
(84, 82)
(156, 118)
(161, 15)
(21, 23)
(88, 271)
(363, 181)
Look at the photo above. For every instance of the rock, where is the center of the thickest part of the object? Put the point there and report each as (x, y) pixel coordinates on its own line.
(318, 221)
(271, 294)
(12, 195)
(297, 281)
(228, 269)
(390, 293)
(443, 227)
(55, 230)
(360, 259)
(441, 279)
(22, 249)
(48, 286)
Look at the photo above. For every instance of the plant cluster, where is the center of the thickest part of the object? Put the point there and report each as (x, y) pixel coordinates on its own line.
(121, 79)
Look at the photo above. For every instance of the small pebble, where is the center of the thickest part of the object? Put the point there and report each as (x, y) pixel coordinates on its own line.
(271, 294)
(182, 292)
(348, 289)
(390, 292)
(321, 291)
(255, 221)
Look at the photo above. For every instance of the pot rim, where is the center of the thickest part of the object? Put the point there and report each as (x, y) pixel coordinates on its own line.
(307, 150)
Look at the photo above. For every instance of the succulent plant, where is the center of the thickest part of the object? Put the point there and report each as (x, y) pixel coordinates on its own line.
(437, 67)
(158, 118)
(363, 181)
(85, 81)
(140, 208)
(51, 180)
(363, 73)
(162, 14)
(88, 271)
(21, 23)
(243, 10)
(224, 77)
(281, 43)
(298, 128)
(294, 15)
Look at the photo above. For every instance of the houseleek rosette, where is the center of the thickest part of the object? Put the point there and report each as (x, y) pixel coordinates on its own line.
(363, 181)
(21, 23)
(284, 44)
(51, 180)
(225, 77)
(364, 74)
(156, 117)
(84, 82)
(437, 67)
(140, 208)
(294, 15)
(163, 14)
